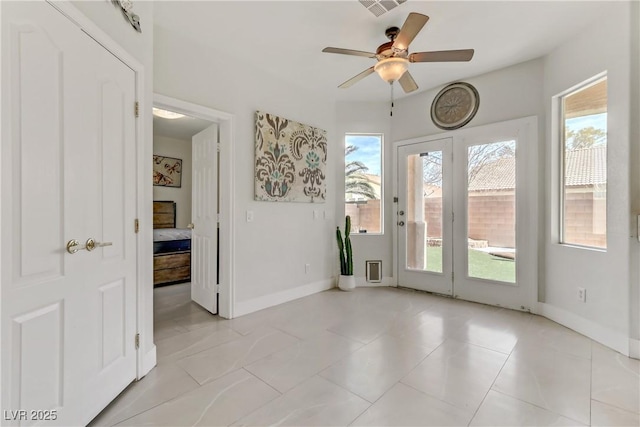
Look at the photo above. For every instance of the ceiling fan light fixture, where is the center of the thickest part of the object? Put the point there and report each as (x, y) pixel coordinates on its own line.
(391, 69)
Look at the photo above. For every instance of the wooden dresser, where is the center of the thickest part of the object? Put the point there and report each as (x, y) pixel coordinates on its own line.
(171, 259)
(171, 267)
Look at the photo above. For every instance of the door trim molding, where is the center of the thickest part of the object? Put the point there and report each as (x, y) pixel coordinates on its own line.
(225, 120)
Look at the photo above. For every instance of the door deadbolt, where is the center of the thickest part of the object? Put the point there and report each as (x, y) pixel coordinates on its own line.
(401, 223)
(401, 213)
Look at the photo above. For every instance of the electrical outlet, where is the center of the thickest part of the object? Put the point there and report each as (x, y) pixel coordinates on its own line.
(307, 268)
(582, 295)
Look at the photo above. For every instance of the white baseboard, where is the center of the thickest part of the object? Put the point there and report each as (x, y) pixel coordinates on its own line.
(148, 362)
(266, 301)
(361, 282)
(605, 336)
(634, 348)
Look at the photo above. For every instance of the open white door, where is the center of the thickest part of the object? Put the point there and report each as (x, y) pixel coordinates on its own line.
(204, 212)
(68, 210)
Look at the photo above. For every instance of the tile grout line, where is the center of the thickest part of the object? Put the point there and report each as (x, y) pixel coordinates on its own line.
(265, 403)
(475, 413)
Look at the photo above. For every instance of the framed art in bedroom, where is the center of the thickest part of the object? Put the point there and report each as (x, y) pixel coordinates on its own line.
(167, 171)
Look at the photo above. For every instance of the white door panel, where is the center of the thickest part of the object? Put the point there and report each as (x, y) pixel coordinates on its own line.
(68, 172)
(204, 211)
(425, 249)
(514, 287)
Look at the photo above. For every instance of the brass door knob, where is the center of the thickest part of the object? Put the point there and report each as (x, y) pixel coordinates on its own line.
(92, 244)
(73, 246)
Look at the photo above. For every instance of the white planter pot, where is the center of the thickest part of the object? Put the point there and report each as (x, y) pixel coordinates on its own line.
(346, 283)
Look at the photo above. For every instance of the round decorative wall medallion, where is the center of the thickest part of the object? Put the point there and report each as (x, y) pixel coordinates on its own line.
(455, 105)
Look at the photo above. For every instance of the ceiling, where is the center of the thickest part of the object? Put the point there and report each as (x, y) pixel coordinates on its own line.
(183, 128)
(285, 38)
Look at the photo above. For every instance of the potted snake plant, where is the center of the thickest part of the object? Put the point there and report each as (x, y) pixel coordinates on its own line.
(346, 282)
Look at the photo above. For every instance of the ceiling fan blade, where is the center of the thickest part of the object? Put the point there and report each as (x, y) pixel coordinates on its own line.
(349, 52)
(356, 79)
(407, 82)
(442, 56)
(409, 30)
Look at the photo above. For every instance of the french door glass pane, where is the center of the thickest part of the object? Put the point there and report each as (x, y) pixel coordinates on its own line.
(424, 212)
(491, 211)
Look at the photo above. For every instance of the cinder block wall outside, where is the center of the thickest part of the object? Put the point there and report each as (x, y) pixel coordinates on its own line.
(492, 218)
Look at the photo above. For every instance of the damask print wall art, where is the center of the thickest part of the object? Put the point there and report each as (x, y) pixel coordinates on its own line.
(291, 160)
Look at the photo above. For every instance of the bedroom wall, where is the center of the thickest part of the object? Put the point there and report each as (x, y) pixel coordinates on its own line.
(272, 250)
(179, 149)
(604, 274)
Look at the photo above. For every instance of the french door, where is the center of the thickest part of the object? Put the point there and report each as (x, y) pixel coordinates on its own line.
(68, 210)
(425, 219)
(466, 215)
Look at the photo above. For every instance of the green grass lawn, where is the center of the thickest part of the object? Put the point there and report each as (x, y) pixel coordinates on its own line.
(481, 265)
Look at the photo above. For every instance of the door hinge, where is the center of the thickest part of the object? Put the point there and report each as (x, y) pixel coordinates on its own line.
(136, 225)
(137, 341)
(136, 109)
(452, 276)
(395, 200)
(452, 217)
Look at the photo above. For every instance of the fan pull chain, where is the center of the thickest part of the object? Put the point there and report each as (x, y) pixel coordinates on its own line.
(391, 111)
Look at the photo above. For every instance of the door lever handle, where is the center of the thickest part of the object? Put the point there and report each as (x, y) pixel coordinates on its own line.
(73, 246)
(92, 244)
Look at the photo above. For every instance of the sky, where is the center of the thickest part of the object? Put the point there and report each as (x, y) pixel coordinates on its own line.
(598, 121)
(368, 152)
(369, 146)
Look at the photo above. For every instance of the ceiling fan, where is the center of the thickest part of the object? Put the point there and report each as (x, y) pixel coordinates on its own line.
(394, 57)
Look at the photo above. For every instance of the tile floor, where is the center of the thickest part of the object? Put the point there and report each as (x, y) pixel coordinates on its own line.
(375, 356)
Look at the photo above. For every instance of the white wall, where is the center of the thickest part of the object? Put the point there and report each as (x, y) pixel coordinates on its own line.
(178, 149)
(505, 94)
(270, 252)
(367, 117)
(140, 45)
(605, 275)
(634, 295)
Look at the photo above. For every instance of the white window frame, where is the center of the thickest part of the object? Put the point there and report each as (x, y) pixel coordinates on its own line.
(558, 132)
(382, 173)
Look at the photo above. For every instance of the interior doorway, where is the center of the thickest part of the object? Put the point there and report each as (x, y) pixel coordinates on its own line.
(185, 204)
(211, 203)
(466, 214)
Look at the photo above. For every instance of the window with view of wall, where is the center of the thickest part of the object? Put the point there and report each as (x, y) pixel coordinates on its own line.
(584, 165)
(363, 182)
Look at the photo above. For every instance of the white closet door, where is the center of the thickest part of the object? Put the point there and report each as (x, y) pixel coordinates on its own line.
(68, 173)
